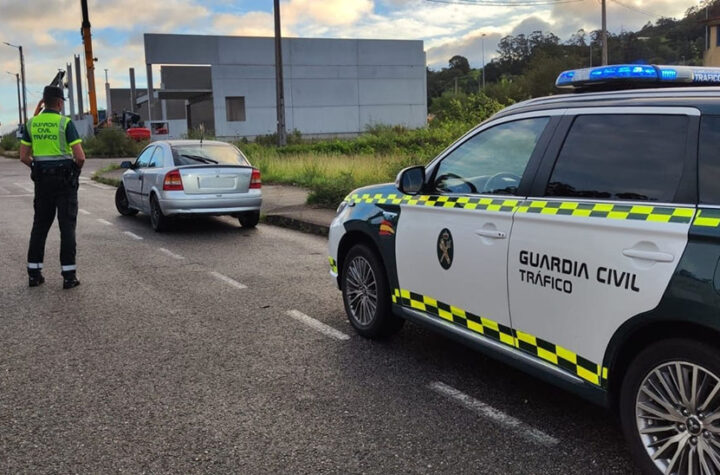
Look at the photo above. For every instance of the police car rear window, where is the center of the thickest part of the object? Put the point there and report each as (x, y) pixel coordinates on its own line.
(710, 160)
(621, 157)
(197, 154)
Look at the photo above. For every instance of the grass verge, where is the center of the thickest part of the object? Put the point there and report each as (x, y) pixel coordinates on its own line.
(99, 177)
(329, 177)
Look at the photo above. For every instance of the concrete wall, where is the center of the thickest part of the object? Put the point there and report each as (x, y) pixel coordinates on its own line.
(332, 86)
(712, 55)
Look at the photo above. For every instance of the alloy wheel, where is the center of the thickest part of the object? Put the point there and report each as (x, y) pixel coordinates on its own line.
(362, 292)
(678, 418)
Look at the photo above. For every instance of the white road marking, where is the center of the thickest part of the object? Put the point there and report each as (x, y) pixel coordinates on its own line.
(168, 252)
(24, 187)
(495, 415)
(104, 221)
(133, 235)
(317, 325)
(228, 280)
(82, 211)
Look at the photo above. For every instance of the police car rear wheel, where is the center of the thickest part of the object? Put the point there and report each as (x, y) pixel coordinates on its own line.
(122, 204)
(366, 294)
(670, 408)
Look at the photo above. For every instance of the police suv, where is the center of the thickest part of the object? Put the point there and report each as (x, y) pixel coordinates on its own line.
(576, 237)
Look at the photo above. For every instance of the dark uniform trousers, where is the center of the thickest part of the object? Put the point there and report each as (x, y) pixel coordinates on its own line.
(56, 187)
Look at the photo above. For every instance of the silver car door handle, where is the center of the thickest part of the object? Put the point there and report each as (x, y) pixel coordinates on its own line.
(490, 233)
(648, 255)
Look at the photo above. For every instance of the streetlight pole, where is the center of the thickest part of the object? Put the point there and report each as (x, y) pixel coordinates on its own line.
(22, 75)
(482, 37)
(17, 77)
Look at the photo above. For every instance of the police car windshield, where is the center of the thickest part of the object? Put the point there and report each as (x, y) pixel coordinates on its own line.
(222, 154)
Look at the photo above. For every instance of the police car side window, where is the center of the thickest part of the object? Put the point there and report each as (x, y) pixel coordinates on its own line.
(144, 159)
(709, 173)
(621, 157)
(493, 161)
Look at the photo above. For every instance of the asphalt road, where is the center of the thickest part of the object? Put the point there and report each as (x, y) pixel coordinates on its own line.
(189, 352)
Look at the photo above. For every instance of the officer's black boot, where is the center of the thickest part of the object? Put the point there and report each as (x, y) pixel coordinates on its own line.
(69, 280)
(35, 277)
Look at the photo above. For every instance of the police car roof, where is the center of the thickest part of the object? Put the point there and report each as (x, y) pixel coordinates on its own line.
(706, 99)
(627, 85)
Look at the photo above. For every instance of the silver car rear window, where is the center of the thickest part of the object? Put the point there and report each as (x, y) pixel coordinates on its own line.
(213, 154)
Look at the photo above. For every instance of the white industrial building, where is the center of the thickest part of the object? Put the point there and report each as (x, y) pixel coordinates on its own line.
(332, 87)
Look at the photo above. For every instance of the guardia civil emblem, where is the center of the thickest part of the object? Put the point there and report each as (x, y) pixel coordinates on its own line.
(445, 248)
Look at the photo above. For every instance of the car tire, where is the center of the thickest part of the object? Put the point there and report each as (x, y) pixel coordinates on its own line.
(366, 294)
(652, 412)
(158, 220)
(249, 219)
(122, 204)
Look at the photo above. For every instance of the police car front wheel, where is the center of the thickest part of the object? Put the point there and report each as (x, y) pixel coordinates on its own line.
(366, 294)
(670, 408)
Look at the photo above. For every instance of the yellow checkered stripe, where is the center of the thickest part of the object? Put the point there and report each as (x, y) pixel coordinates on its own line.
(557, 355)
(707, 218)
(333, 265)
(660, 214)
(464, 202)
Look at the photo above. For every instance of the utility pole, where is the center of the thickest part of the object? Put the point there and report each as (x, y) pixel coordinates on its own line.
(17, 77)
(604, 34)
(280, 102)
(108, 102)
(71, 89)
(22, 78)
(483, 60)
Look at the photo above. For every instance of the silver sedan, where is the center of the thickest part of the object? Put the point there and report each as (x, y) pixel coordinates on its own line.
(190, 177)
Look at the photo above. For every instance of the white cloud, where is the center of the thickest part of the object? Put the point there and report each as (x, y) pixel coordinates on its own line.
(327, 12)
(250, 24)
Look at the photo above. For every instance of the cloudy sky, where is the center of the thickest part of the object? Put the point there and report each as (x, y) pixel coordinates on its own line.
(49, 30)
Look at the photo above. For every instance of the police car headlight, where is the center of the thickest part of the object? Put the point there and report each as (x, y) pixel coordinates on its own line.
(341, 207)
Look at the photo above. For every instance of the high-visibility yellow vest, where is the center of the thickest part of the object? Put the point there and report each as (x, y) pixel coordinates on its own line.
(47, 133)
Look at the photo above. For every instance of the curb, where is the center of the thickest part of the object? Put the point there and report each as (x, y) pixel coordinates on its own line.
(296, 224)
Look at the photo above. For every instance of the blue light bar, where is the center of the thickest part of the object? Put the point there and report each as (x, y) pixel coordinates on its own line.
(634, 73)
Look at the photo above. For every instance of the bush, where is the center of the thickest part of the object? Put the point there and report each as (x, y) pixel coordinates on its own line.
(112, 142)
(466, 108)
(9, 142)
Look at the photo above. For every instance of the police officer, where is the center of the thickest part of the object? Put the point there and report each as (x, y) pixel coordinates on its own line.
(52, 148)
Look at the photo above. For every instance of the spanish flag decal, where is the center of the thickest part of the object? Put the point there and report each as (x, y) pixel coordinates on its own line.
(386, 228)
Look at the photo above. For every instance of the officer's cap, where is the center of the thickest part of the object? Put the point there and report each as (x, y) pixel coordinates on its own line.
(52, 92)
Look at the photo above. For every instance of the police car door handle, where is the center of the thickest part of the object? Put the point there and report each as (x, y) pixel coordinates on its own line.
(490, 233)
(648, 255)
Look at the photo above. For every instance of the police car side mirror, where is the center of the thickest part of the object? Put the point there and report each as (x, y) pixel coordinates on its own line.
(410, 180)
(126, 164)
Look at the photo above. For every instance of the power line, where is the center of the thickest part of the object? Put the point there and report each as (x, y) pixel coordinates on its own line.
(635, 9)
(505, 3)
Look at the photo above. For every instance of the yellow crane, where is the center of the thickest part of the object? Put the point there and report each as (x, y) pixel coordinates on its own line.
(89, 60)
